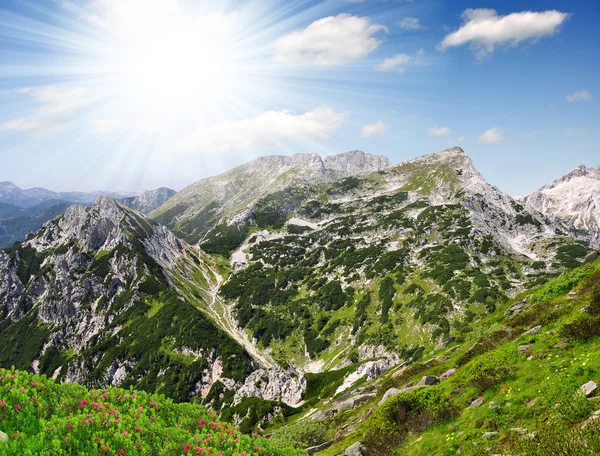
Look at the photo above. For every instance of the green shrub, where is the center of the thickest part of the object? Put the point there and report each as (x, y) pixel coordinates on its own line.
(583, 328)
(488, 371)
(301, 434)
(566, 402)
(413, 411)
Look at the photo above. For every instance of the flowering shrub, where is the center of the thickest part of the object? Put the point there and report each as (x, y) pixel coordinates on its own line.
(45, 417)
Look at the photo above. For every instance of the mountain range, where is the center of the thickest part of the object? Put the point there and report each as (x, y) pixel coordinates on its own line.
(245, 290)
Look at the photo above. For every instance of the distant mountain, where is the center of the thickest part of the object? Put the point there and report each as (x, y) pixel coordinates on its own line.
(12, 194)
(16, 226)
(196, 210)
(150, 200)
(573, 203)
(10, 210)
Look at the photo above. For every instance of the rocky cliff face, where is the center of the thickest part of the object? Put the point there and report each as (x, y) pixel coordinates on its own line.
(91, 292)
(150, 200)
(230, 198)
(572, 203)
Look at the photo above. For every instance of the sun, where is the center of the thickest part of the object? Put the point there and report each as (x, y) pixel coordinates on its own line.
(170, 57)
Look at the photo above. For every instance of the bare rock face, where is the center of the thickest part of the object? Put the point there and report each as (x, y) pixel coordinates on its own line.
(150, 200)
(274, 384)
(573, 202)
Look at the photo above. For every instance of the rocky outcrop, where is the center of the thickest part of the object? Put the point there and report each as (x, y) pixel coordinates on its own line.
(150, 200)
(274, 384)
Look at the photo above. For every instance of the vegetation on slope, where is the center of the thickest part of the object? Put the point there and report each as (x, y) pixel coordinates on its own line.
(40, 416)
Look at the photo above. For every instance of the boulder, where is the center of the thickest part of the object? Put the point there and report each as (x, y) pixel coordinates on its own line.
(429, 380)
(532, 403)
(354, 401)
(389, 393)
(494, 404)
(533, 331)
(355, 450)
(3, 437)
(489, 435)
(516, 308)
(476, 403)
(449, 373)
(589, 388)
(317, 448)
(444, 343)
(525, 350)
(592, 256)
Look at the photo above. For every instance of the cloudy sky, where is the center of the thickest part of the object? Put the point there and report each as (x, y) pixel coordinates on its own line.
(132, 94)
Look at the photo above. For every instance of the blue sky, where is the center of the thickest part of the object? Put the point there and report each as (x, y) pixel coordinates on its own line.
(131, 94)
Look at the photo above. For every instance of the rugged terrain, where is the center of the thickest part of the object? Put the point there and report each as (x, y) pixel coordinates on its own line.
(573, 202)
(286, 287)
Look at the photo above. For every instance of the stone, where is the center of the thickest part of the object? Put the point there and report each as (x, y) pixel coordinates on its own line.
(562, 344)
(354, 401)
(429, 362)
(449, 373)
(533, 331)
(489, 435)
(389, 393)
(518, 430)
(355, 450)
(589, 388)
(494, 404)
(444, 343)
(532, 403)
(274, 384)
(516, 308)
(458, 434)
(3, 437)
(525, 350)
(476, 403)
(318, 448)
(593, 256)
(429, 380)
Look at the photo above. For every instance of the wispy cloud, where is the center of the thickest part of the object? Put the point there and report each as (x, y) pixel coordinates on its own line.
(492, 136)
(56, 105)
(439, 131)
(333, 40)
(376, 129)
(575, 132)
(580, 95)
(267, 130)
(399, 62)
(484, 29)
(411, 23)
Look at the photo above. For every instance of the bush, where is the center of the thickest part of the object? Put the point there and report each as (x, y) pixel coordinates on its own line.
(413, 411)
(566, 401)
(583, 328)
(488, 371)
(300, 435)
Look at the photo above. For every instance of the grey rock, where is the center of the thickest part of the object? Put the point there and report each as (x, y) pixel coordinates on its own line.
(317, 448)
(354, 401)
(3, 437)
(274, 384)
(444, 342)
(525, 350)
(355, 450)
(519, 430)
(428, 380)
(532, 331)
(489, 435)
(532, 403)
(389, 393)
(494, 404)
(476, 403)
(516, 308)
(592, 256)
(449, 373)
(589, 388)
(150, 200)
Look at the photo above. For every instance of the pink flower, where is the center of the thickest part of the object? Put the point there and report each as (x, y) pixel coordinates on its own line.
(201, 423)
(214, 425)
(200, 450)
(153, 403)
(2, 403)
(138, 428)
(34, 384)
(22, 389)
(69, 426)
(126, 434)
(140, 408)
(121, 451)
(18, 407)
(256, 448)
(187, 447)
(15, 436)
(83, 403)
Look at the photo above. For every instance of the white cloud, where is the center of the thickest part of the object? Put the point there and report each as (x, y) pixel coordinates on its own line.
(411, 23)
(492, 136)
(580, 95)
(484, 29)
(439, 131)
(399, 62)
(575, 132)
(333, 40)
(33, 127)
(376, 129)
(270, 129)
(104, 126)
(56, 104)
(108, 126)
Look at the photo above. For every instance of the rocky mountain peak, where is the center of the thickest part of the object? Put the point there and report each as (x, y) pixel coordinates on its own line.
(149, 200)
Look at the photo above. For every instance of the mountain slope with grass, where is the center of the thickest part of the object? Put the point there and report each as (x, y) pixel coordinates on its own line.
(92, 292)
(522, 380)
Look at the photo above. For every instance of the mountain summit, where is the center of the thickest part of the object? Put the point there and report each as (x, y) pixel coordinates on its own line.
(572, 201)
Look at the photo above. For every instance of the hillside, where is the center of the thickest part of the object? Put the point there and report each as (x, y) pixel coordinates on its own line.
(150, 200)
(40, 416)
(519, 381)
